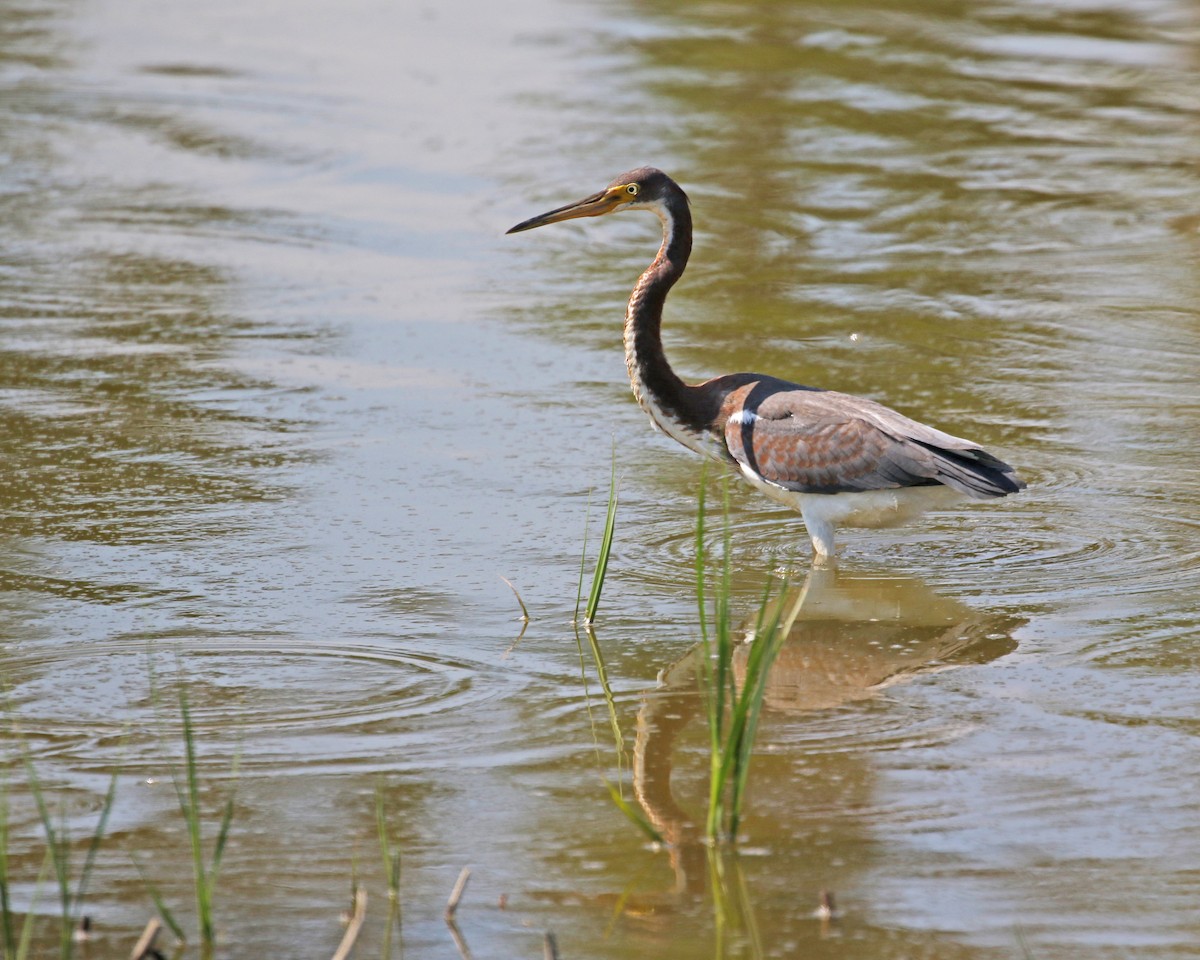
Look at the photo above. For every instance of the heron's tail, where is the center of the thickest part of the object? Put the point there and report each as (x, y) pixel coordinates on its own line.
(975, 472)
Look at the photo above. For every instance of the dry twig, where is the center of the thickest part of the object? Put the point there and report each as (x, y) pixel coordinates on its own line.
(355, 924)
(460, 887)
(145, 945)
(524, 609)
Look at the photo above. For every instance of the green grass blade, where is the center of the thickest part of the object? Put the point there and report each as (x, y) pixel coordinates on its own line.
(711, 687)
(721, 910)
(700, 557)
(614, 789)
(748, 729)
(226, 822)
(381, 832)
(746, 911)
(706, 667)
(606, 540)
(391, 928)
(768, 639)
(89, 859)
(9, 943)
(587, 697)
(587, 523)
(159, 904)
(191, 813)
(720, 686)
(22, 951)
(58, 849)
(634, 815)
(391, 857)
(725, 641)
(219, 847)
(602, 672)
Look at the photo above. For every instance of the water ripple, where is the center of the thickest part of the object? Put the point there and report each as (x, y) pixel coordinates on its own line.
(343, 705)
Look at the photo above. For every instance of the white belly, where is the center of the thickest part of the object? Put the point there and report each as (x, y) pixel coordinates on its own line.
(824, 512)
(874, 508)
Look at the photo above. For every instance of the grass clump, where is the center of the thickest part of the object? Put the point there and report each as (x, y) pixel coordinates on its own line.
(58, 861)
(615, 789)
(733, 905)
(733, 698)
(188, 793)
(732, 709)
(389, 849)
(205, 869)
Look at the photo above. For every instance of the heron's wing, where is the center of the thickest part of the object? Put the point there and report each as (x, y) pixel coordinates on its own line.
(815, 441)
(828, 455)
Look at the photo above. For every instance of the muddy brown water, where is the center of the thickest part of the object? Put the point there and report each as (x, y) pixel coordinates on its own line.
(281, 404)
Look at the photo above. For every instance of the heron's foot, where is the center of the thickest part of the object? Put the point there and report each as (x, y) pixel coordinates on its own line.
(824, 561)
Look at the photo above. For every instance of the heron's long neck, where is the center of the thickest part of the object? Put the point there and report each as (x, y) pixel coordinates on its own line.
(671, 403)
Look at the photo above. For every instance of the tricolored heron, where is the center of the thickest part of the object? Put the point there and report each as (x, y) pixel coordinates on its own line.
(842, 461)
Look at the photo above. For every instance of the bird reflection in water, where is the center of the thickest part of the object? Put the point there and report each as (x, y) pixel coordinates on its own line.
(850, 637)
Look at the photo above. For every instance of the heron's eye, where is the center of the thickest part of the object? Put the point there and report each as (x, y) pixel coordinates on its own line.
(632, 189)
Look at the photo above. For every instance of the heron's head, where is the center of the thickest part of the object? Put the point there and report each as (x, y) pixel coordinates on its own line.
(645, 188)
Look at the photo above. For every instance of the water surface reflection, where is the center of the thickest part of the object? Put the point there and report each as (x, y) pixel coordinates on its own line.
(852, 638)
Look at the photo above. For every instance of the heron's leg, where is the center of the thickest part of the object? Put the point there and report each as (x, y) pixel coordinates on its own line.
(821, 530)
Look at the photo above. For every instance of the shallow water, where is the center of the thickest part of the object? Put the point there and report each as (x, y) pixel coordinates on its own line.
(280, 406)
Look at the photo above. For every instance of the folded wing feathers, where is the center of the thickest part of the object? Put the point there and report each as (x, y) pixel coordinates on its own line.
(825, 442)
(957, 463)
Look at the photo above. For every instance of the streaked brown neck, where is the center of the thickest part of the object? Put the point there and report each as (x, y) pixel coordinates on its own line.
(675, 407)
